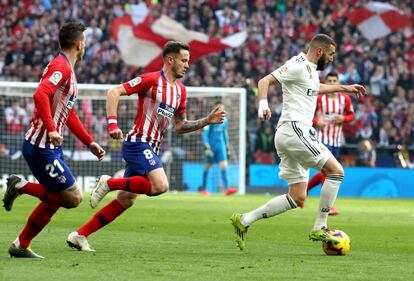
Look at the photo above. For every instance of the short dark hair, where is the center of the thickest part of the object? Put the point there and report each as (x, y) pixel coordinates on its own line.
(332, 74)
(322, 40)
(70, 32)
(174, 47)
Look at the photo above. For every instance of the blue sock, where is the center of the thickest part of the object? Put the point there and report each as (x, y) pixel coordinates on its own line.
(224, 177)
(205, 174)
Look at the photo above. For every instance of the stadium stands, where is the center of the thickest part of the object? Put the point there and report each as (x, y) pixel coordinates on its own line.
(276, 31)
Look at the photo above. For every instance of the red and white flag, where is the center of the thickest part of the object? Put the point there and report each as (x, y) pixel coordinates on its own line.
(141, 44)
(378, 19)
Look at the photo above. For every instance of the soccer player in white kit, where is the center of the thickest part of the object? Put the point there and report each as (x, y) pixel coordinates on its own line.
(296, 140)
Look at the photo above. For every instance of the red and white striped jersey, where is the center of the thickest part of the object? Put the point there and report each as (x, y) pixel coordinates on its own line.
(329, 106)
(158, 102)
(58, 85)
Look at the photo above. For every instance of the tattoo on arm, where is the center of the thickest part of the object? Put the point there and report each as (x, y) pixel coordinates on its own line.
(183, 126)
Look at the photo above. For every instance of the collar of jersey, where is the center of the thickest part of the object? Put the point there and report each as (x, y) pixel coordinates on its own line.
(314, 66)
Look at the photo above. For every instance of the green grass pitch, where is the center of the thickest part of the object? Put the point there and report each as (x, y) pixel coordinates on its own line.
(189, 237)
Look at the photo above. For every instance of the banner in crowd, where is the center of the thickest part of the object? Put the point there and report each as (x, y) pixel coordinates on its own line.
(141, 44)
(377, 19)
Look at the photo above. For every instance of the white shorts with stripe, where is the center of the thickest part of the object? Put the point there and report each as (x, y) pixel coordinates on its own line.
(299, 149)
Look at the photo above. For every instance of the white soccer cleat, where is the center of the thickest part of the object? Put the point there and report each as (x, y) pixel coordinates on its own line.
(100, 190)
(79, 242)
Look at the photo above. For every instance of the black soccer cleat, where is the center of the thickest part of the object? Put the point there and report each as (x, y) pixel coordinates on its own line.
(17, 252)
(11, 192)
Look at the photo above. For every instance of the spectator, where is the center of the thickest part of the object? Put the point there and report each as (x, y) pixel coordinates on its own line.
(276, 31)
(265, 146)
(366, 154)
(16, 118)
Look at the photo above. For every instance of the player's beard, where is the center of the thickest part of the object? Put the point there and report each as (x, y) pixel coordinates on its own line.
(177, 75)
(80, 55)
(322, 63)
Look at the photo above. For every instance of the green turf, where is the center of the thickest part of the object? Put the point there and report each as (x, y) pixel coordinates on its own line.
(189, 237)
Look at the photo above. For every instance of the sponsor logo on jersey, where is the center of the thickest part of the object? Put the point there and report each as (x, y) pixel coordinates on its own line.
(55, 77)
(135, 81)
(166, 110)
(71, 101)
(311, 92)
(152, 162)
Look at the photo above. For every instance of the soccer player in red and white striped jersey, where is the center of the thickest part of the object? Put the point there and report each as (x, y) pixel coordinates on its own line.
(332, 110)
(54, 100)
(161, 100)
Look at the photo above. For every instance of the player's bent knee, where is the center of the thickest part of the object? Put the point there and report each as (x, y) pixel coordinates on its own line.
(73, 202)
(126, 199)
(158, 189)
(299, 199)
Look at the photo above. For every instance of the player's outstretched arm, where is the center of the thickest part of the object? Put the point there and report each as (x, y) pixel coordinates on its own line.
(357, 89)
(112, 100)
(182, 125)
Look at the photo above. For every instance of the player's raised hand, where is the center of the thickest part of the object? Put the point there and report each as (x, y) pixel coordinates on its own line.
(357, 89)
(216, 116)
(97, 150)
(55, 138)
(264, 112)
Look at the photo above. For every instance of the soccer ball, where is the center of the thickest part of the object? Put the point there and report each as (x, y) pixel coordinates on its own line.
(340, 249)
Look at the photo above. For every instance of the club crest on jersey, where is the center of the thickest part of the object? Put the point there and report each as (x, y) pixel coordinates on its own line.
(166, 110)
(135, 81)
(55, 77)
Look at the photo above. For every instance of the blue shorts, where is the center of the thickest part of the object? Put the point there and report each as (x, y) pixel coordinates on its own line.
(334, 150)
(140, 158)
(219, 154)
(48, 167)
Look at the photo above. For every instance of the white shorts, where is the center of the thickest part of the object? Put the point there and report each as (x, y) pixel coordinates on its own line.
(299, 149)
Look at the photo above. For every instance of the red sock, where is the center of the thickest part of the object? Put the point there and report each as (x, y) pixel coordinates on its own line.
(38, 219)
(137, 184)
(104, 216)
(39, 191)
(315, 180)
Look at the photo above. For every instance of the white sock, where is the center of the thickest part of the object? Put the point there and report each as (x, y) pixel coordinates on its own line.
(329, 192)
(17, 242)
(272, 208)
(21, 183)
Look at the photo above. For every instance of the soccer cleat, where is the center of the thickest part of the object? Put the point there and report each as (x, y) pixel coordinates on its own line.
(204, 192)
(230, 191)
(239, 229)
(333, 211)
(100, 190)
(323, 234)
(11, 192)
(18, 252)
(79, 242)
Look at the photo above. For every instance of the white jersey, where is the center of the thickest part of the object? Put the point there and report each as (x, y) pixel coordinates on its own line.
(300, 86)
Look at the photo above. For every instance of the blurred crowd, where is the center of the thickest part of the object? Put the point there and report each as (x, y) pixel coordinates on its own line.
(277, 30)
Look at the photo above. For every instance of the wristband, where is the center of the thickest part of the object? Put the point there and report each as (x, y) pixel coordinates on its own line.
(112, 123)
(263, 104)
